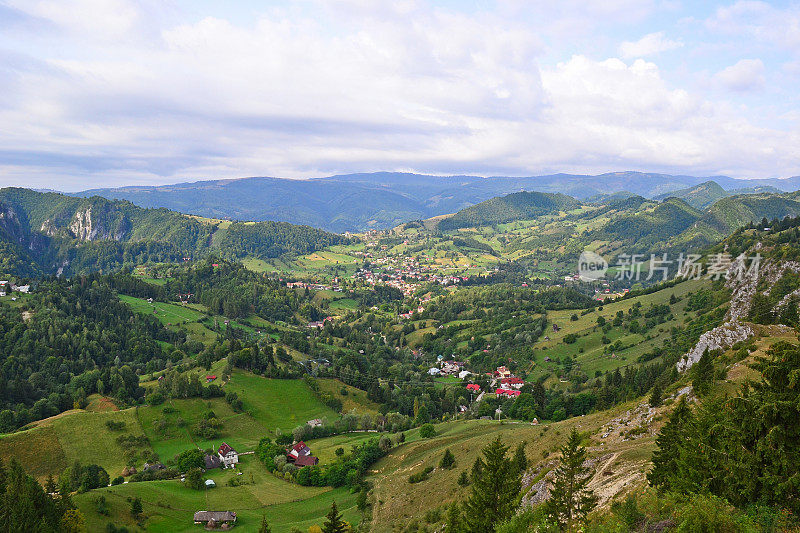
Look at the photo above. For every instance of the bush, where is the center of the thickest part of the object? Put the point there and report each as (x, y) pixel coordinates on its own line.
(154, 398)
(420, 476)
(117, 480)
(114, 425)
(427, 431)
(448, 460)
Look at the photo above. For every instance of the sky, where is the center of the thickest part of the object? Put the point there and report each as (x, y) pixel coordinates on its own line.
(101, 93)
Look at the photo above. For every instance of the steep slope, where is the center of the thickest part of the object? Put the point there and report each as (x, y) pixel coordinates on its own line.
(517, 206)
(54, 233)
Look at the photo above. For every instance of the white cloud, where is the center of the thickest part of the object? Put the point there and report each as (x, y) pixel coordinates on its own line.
(356, 86)
(744, 75)
(650, 44)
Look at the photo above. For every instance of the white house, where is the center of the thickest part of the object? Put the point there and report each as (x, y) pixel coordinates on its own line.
(3, 288)
(434, 371)
(228, 456)
(464, 373)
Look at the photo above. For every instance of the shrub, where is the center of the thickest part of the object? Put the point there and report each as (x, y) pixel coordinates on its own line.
(427, 431)
(420, 476)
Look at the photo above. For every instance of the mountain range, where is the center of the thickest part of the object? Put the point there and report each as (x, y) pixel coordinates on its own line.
(357, 202)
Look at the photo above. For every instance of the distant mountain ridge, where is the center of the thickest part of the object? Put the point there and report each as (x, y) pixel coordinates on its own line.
(356, 202)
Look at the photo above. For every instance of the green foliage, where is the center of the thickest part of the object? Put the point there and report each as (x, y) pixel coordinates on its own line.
(745, 449)
(495, 492)
(656, 396)
(136, 507)
(427, 431)
(420, 476)
(333, 521)
(570, 498)
(194, 479)
(516, 206)
(189, 459)
(448, 460)
(24, 506)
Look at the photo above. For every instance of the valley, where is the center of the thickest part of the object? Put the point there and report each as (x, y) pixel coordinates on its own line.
(378, 350)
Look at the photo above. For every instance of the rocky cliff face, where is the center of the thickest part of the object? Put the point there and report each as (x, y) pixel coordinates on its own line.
(89, 224)
(11, 225)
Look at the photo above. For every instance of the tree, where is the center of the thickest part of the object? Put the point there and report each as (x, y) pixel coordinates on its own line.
(73, 521)
(333, 521)
(495, 490)
(655, 396)
(570, 498)
(520, 459)
(463, 479)
(188, 459)
(194, 479)
(427, 431)
(454, 519)
(264, 528)
(703, 374)
(136, 507)
(448, 460)
(667, 456)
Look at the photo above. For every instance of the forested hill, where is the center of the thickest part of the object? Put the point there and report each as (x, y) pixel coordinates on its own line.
(516, 206)
(45, 233)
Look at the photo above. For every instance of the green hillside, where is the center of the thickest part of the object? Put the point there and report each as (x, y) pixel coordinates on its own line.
(516, 206)
(700, 196)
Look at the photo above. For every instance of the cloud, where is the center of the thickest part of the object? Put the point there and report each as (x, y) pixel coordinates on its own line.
(308, 89)
(745, 75)
(764, 22)
(650, 44)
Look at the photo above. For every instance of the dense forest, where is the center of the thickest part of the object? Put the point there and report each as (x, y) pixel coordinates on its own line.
(516, 206)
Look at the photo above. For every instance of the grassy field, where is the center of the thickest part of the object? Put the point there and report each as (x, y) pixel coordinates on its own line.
(170, 505)
(166, 313)
(278, 403)
(355, 399)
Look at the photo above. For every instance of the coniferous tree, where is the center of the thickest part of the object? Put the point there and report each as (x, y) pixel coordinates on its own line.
(655, 396)
(448, 460)
(333, 521)
(520, 459)
(495, 492)
(703, 374)
(570, 498)
(667, 456)
(454, 519)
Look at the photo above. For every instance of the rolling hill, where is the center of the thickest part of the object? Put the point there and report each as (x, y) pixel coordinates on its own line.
(382, 200)
(516, 206)
(53, 233)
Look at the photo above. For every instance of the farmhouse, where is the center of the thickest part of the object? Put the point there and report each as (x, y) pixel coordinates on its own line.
(508, 393)
(298, 450)
(315, 422)
(306, 460)
(474, 387)
(215, 519)
(512, 383)
(212, 461)
(228, 456)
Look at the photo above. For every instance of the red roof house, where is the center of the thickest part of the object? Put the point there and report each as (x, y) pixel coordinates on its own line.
(306, 460)
(507, 392)
(474, 387)
(298, 450)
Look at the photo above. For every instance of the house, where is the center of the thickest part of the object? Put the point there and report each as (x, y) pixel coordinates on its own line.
(434, 371)
(153, 467)
(502, 372)
(474, 387)
(306, 460)
(3, 288)
(508, 393)
(24, 289)
(512, 383)
(314, 423)
(228, 456)
(298, 450)
(210, 484)
(217, 517)
(211, 378)
(212, 461)
(464, 373)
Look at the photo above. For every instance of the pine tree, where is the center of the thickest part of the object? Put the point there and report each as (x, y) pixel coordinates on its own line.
(570, 498)
(789, 315)
(520, 459)
(448, 460)
(655, 396)
(454, 519)
(333, 521)
(669, 440)
(495, 492)
(703, 374)
(264, 525)
(463, 479)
